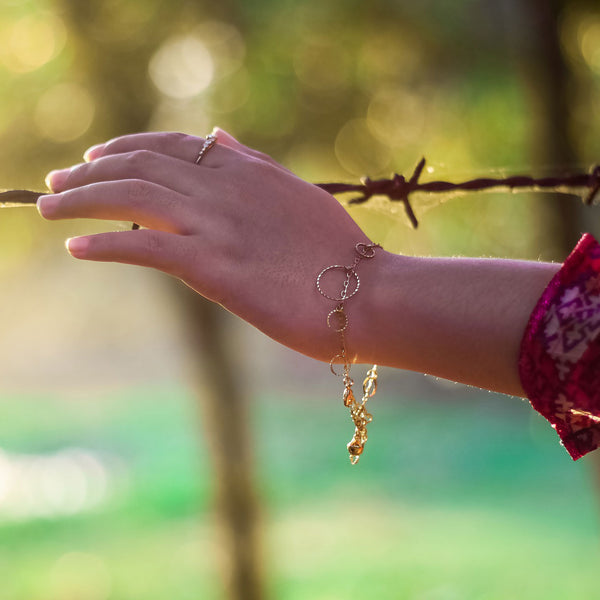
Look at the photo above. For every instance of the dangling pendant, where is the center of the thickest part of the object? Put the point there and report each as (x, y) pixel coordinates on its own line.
(355, 448)
(360, 417)
(348, 397)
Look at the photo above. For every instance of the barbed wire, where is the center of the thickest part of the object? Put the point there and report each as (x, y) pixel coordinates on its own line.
(10, 198)
(399, 189)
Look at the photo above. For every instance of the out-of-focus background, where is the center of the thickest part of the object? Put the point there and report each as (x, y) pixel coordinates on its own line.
(152, 446)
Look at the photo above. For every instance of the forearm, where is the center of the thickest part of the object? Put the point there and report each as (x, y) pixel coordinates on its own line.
(457, 318)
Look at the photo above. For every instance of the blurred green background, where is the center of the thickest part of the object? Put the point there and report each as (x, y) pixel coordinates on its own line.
(107, 486)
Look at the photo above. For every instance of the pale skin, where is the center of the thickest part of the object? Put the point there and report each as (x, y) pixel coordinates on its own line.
(246, 233)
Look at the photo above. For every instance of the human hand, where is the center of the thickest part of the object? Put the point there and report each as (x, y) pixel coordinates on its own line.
(238, 228)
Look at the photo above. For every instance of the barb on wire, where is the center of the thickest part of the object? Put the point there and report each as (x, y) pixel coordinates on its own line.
(399, 189)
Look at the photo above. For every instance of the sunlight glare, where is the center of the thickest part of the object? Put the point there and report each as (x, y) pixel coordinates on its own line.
(64, 112)
(64, 483)
(359, 152)
(396, 116)
(589, 42)
(182, 67)
(33, 41)
(225, 45)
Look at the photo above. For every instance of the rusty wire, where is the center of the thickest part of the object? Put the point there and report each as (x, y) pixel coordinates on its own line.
(399, 189)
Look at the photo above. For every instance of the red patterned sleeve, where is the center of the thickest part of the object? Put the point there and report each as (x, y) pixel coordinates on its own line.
(559, 363)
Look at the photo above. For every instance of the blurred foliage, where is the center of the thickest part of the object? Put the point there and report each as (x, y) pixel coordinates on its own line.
(465, 518)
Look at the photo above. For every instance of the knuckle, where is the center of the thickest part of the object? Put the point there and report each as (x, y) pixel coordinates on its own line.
(174, 138)
(136, 162)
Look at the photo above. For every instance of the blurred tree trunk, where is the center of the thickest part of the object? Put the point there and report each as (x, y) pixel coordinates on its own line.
(213, 372)
(109, 62)
(550, 88)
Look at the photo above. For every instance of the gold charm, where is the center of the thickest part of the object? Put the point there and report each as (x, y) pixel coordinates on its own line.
(349, 398)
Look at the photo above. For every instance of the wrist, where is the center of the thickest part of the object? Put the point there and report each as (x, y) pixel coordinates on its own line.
(373, 325)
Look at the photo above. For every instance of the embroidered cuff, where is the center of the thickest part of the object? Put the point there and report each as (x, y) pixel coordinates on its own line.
(559, 362)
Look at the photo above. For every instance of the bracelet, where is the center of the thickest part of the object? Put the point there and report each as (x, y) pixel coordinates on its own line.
(338, 321)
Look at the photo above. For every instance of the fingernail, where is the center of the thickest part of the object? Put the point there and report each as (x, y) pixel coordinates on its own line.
(56, 179)
(93, 152)
(77, 246)
(47, 204)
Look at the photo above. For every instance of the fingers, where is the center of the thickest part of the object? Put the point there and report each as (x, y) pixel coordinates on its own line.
(177, 255)
(172, 173)
(166, 159)
(145, 247)
(148, 204)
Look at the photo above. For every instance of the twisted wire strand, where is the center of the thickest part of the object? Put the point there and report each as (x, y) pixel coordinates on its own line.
(399, 189)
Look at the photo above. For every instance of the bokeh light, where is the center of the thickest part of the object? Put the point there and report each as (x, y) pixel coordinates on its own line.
(182, 67)
(589, 40)
(180, 115)
(358, 151)
(225, 44)
(66, 482)
(396, 116)
(32, 41)
(64, 112)
(198, 74)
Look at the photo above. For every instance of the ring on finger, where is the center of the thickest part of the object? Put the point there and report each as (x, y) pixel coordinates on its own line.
(209, 142)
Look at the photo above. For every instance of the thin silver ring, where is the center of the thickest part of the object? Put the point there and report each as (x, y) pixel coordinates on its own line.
(209, 142)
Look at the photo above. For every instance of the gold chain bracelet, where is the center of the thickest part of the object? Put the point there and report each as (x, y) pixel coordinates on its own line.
(337, 320)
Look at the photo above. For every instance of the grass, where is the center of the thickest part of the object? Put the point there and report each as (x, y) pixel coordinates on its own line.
(472, 499)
